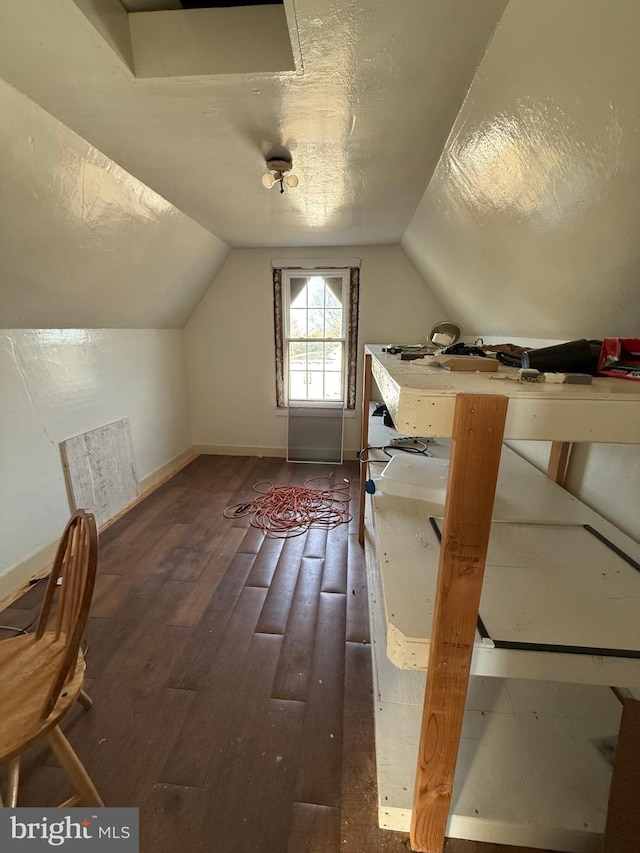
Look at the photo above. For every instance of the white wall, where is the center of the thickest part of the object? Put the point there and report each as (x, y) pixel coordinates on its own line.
(60, 383)
(85, 246)
(229, 340)
(605, 476)
(529, 225)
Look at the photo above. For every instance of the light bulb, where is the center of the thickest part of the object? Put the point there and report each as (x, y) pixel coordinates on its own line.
(268, 180)
(291, 181)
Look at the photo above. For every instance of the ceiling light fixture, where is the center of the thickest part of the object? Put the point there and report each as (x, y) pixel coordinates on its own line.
(279, 173)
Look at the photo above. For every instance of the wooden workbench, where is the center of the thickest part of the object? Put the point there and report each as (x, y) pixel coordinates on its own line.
(477, 412)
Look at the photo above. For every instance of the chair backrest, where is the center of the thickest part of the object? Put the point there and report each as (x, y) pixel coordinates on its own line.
(75, 564)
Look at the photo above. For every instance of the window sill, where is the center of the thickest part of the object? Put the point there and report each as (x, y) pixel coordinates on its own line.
(283, 411)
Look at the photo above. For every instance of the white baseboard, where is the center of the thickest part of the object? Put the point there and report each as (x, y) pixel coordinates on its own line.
(14, 581)
(166, 471)
(239, 450)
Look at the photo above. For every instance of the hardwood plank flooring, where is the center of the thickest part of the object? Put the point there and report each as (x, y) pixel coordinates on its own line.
(292, 674)
(231, 675)
(275, 613)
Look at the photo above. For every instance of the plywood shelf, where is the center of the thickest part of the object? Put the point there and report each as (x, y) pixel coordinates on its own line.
(421, 400)
(578, 593)
(530, 769)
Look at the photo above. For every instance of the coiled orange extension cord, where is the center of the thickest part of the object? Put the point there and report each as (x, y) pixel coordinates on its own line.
(287, 511)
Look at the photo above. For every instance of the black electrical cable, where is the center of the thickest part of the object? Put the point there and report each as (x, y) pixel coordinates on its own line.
(19, 631)
(421, 450)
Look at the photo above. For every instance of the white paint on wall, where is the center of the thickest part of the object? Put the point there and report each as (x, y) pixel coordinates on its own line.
(529, 225)
(606, 477)
(83, 243)
(230, 350)
(57, 383)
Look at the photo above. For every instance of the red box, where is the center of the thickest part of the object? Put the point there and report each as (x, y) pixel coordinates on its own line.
(620, 357)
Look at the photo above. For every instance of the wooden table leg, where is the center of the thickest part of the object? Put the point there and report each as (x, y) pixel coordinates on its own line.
(364, 440)
(478, 429)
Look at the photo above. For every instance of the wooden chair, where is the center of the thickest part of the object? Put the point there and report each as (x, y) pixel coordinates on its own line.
(41, 674)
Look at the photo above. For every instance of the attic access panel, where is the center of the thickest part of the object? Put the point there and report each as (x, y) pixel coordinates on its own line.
(166, 5)
(210, 38)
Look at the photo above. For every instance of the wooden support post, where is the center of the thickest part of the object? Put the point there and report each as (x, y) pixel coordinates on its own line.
(364, 440)
(558, 459)
(478, 428)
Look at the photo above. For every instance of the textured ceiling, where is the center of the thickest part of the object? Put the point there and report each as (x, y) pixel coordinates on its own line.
(365, 115)
(83, 243)
(530, 224)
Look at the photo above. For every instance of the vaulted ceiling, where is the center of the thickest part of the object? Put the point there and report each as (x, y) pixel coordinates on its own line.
(496, 143)
(364, 109)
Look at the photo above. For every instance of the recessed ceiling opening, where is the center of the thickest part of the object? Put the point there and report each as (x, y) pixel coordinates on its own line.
(193, 38)
(166, 5)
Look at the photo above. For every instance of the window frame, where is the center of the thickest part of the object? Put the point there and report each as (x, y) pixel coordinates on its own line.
(288, 338)
(351, 296)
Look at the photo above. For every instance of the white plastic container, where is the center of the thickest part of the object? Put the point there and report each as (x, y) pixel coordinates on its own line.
(412, 475)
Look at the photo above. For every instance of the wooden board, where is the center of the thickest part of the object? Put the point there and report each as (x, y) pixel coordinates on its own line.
(527, 777)
(529, 771)
(408, 552)
(478, 428)
(467, 363)
(100, 470)
(559, 585)
(421, 400)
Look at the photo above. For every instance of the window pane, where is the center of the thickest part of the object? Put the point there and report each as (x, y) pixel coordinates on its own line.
(298, 291)
(333, 386)
(315, 320)
(297, 356)
(315, 292)
(298, 386)
(315, 350)
(315, 387)
(333, 294)
(333, 323)
(333, 357)
(298, 370)
(298, 323)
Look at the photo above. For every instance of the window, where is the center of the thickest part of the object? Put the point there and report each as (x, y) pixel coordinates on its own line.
(315, 335)
(316, 314)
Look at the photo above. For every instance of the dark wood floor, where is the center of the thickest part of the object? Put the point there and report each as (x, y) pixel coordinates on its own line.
(231, 675)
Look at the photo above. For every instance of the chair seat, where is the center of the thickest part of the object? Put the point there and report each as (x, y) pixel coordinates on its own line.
(27, 670)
